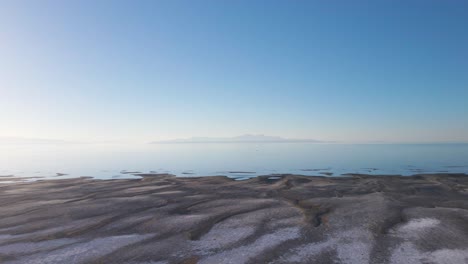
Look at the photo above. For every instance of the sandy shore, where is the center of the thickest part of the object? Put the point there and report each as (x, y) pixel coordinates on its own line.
(285, 219)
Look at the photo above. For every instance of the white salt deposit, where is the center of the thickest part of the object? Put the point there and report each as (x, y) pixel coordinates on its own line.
(407, 253)
(244, 253)
(352, 247)
(80, 252)
(220, 237)
(419, 224)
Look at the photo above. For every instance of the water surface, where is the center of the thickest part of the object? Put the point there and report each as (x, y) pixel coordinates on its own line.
(239, 160)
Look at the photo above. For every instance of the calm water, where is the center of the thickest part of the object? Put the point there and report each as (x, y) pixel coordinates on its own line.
(233, 160)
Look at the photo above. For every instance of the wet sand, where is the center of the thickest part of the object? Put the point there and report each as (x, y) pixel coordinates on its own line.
(281, 219)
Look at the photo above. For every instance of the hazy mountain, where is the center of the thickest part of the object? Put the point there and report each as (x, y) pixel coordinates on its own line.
(20, 140)
(239, 139)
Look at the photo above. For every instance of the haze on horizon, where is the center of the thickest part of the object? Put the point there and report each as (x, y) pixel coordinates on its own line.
(392, 71)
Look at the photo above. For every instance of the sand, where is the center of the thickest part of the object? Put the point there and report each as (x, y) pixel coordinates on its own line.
(268, 219)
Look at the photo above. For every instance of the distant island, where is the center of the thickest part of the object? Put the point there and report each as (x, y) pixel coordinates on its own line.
(20, 140)
(239, 139)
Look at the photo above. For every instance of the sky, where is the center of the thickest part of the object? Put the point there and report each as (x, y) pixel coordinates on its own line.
(98, 70)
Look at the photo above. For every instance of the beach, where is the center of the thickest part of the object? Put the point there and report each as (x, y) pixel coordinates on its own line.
(161, 218)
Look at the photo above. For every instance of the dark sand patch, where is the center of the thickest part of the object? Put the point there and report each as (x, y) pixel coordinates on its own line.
(129, 172)
(324, 169)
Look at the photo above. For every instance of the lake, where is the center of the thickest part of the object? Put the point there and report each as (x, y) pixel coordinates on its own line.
(236, 160)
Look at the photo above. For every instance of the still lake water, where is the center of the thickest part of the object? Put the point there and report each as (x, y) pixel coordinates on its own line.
(236, 160)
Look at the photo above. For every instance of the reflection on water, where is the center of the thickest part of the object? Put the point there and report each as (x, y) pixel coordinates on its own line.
(242, 160)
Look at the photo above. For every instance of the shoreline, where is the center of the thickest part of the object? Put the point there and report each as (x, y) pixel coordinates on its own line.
(4, 179)
(160, 218)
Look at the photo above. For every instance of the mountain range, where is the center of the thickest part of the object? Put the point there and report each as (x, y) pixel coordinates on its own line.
(238, 139)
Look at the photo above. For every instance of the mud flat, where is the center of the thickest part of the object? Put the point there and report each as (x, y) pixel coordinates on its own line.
(268, 219)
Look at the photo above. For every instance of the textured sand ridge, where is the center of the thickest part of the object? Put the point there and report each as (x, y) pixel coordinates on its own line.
(281, 219)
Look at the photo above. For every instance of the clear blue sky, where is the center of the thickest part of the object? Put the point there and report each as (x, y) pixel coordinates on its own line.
(149, 70)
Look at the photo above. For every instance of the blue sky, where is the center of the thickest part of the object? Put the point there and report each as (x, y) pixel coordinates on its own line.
(154, 70)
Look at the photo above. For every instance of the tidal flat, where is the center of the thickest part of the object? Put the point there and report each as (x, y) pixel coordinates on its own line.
(268, 219)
